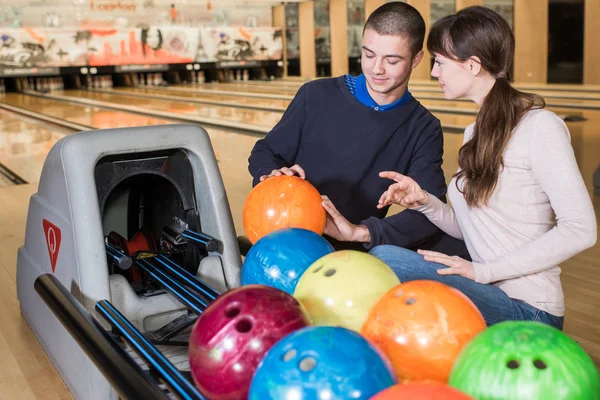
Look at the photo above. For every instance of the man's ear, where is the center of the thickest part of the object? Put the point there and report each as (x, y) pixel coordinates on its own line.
(417, 59)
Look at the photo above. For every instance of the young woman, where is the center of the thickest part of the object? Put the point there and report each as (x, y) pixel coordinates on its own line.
(518, 198)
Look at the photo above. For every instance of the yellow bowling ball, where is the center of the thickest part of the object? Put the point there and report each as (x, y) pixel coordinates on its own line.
(340, 288)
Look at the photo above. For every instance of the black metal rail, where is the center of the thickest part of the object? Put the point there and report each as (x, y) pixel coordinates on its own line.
(11, 175)
(159, 364)
(173, 286)
(187, 278)
(128, 378)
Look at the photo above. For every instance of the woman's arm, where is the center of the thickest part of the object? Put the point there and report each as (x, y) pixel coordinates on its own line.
(554, 165)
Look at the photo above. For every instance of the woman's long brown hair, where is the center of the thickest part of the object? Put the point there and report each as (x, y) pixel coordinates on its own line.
(481, 32)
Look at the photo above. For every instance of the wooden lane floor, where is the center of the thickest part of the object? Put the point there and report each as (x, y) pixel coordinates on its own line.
(25, 371)
(570, 100)
(4, 181)
(531, 86)
(264, 89)
(79, 114)
(238, 98)
(447, 116)
(290, 81)
(234, 114)
(25, 144)
(416, 89)
(265, 119)
(234, 100)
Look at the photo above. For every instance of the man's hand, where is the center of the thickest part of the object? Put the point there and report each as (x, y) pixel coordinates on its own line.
(291, 171)
(339, 228)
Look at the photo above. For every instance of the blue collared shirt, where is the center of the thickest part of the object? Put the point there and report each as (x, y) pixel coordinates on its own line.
(358, 87)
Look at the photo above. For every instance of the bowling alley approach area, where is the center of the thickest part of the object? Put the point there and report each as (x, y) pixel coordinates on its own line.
(140, 259)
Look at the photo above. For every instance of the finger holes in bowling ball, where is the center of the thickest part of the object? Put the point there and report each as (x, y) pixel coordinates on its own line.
(539, 364)
(232, 311)
(244, 325)
(513, 364)
(330, 272)
(307, 364)
(289, 355)
(320, 267)
(410, 301)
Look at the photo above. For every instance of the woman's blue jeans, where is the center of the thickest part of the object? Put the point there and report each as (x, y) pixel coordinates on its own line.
(493, 303)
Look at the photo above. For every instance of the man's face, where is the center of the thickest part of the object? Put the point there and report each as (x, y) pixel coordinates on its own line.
(387, 62)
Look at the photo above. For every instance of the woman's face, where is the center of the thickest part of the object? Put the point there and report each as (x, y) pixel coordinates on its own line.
(454, 77)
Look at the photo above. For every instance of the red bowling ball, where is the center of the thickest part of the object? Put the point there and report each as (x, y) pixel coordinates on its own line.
(234, 332)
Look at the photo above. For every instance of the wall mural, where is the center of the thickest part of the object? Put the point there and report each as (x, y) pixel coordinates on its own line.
(131, 13)
(234, 44)
(47, 47)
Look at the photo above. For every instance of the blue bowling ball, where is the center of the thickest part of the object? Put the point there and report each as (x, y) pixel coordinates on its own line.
(280, 258)
(321, 362)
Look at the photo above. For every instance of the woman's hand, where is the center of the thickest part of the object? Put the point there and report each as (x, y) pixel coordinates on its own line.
(405, 192)
(455, 264)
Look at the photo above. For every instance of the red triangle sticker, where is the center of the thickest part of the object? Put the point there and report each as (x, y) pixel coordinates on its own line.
(52, 233)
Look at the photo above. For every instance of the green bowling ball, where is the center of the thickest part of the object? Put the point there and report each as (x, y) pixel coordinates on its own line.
(520, 360)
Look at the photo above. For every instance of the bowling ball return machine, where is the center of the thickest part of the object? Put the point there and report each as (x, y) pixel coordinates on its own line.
(128, 239)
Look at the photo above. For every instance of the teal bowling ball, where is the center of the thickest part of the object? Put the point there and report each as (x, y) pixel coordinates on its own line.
(280, 258)
(322, 362)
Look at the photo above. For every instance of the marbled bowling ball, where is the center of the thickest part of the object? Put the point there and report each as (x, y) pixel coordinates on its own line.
(234, 332)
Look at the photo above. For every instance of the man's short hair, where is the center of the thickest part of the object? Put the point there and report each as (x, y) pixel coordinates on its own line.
(399, 19)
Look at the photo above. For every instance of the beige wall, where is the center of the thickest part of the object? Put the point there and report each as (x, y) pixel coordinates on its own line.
(591, 49)
(423, 71)
(338, 30)
(372, 5)
(460, 4)
(531, 35)
(279, 22)
(306, 28)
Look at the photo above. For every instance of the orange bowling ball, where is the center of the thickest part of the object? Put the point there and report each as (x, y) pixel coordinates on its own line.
(282, 202)
(421, 391)
(422, 326)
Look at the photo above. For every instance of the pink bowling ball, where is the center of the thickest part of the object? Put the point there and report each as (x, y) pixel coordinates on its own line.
(234, 332)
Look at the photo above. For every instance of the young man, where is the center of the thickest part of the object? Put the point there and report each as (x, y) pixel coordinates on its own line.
(339, 133)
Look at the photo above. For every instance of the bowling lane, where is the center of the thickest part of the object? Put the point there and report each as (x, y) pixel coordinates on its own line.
(446, 116)
(274, 83)
(231, 99)
(80, 114)
(534, 87)
(551, 96)
(25, 144)
(563, 96)
(443, 109)
(575, 89)
(253, 117)
(4, 181)
(264, 89)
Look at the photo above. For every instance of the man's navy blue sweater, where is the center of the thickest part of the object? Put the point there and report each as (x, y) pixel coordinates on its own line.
(342, 145)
